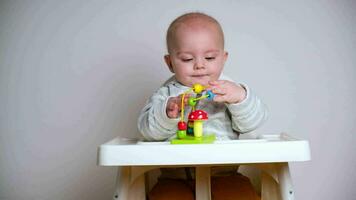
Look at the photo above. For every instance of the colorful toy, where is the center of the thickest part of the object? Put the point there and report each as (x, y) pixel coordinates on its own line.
(192, 132)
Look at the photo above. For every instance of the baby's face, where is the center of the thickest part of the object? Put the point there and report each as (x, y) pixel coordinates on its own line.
(197, 55)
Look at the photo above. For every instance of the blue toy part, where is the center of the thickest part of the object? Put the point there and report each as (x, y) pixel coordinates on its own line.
(210, 94)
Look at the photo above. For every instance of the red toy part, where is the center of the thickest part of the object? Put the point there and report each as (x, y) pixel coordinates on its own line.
(198, 115)
(182, 126)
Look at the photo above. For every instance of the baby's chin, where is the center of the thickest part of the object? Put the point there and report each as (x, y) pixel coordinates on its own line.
(189, 82)
(201, 81)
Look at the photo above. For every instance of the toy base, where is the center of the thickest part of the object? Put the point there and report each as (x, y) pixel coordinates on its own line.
(205, 139)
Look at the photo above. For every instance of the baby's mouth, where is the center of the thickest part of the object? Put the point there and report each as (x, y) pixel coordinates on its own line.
(199, 75)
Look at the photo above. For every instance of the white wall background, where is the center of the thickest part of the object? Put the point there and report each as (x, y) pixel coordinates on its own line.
(74, 74)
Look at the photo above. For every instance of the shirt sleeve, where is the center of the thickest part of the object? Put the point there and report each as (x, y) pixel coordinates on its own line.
(153, 122)
(249, 114)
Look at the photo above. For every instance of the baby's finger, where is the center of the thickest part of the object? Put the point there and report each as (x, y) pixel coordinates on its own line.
(219, 90)
(172, 114)
(172, 100)
(219, 98)
(178, 100)
(208, 87)
(170, 104)
(173, 111)
(213, 83)
(186, 100)
(176, 107)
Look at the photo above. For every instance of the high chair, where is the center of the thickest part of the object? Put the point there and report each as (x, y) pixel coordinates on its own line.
(268, 153)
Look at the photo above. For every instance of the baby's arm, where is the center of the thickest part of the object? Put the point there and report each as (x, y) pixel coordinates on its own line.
(247, 110)
(153, 122)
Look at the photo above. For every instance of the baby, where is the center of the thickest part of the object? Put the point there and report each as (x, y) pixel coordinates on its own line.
(195, 43)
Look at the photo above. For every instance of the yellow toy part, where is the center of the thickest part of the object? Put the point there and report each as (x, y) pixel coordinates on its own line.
(197, 88)
(198, 129)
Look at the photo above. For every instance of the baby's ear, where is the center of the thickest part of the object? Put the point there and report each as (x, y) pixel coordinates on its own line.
(226, 55)
(168, 61)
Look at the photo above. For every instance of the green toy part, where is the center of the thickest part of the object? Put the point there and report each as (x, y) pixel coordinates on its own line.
(192, 102)
(205, 139)
(181, 134)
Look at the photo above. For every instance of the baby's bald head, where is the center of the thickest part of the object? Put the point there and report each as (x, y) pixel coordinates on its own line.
(192, 21)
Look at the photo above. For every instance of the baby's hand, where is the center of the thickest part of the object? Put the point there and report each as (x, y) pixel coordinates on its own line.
(227, 91)
(174, 105)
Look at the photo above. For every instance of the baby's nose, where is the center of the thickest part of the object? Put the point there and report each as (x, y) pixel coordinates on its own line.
(199, 64)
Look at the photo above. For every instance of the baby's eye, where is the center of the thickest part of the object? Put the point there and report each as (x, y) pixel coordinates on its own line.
(210, 58)
(187, 59)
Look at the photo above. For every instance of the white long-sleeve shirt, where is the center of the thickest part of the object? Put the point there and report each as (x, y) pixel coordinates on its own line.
(226, 121)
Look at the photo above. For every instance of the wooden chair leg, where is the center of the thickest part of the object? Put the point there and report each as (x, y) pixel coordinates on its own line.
(269, 188)
(202, 185)
(285, 182)
(137, 189)
(129, 187)
(122, 183)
